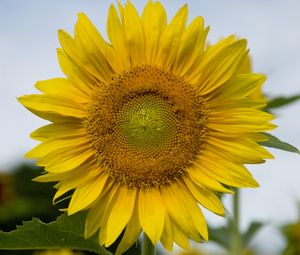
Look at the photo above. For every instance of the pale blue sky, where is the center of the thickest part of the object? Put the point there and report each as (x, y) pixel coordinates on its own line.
(28, 42)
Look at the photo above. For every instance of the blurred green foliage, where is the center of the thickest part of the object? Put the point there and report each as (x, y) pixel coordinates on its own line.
(274, 142)
(22, 199)
(25, 198)
(221, 235)
(291, 233)
(280, 101)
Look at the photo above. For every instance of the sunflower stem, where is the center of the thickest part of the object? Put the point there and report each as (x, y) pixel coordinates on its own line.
(235, 235)
(148, 247)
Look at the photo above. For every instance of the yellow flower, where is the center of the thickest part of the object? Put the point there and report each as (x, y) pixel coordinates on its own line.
(57, 252)
(148, 125)
(192, 252)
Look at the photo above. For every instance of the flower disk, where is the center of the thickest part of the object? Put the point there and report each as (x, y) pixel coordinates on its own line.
(147, 126)
(150, 126)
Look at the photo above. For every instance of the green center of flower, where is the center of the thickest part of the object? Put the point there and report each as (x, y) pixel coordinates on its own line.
(146, 123)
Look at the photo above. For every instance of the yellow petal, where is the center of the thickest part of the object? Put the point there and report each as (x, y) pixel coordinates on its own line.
(151, 217)
(93, 49)
(154, 19)
(80, 58)
(205, 197)
(132, 232)
(68, 183)
(239, 120)
(61, 191)
(95, 216)
(244, 149)
(62, 155)
(48, 177)
(201, 178)
(116, 36)
(86, 194)
(53, 104)
(167, 235)
(196, 214)
(242, 127)
(45, 148)
(229, 115)
(53, 117)
(121, 10)
(75, 74)
(190, 46)
(241, 86)
(61, 161)
(246, 66)
(222, 67)
(65, 88)
(112, 193)
(230, 104)
(216, 173)
(180, 238)
(59, 130)
(121, 209)
(170, 39)
(180, 208)
(232, 174)
(134, 35)
(211, 51)
(88, 32)
(74, 176)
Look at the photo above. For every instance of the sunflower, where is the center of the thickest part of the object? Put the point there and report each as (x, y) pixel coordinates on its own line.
(57, 252)
(149, 125)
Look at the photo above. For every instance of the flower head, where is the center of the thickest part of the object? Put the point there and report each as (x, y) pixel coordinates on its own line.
(149, 125)
(57, 252)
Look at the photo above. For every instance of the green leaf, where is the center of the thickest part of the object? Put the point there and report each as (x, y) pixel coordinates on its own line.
(65, 232)
(274, 142)
(220, 235)
(282, 101)
(250, 232)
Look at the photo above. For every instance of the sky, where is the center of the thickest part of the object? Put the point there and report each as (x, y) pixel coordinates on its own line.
(28, 42)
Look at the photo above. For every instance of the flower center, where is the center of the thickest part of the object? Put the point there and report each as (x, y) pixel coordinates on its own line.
(147, 126)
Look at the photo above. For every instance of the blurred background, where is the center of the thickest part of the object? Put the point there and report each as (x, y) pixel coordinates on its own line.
(28, 42)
